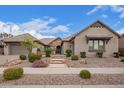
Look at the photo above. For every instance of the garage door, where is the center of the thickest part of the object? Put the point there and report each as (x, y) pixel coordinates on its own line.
(17, 49)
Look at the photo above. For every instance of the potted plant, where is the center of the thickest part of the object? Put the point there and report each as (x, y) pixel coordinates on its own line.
(68, 53)
(83, 54)
(100, 51)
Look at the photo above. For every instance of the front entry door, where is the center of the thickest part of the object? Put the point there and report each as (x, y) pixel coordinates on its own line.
(58, 50)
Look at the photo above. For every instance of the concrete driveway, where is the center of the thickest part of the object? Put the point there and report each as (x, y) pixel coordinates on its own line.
(7, 58)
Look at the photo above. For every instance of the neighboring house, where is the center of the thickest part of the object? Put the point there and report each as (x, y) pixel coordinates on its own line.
(93, 38)
(54, 43)
(13, 44)
(121, 45)
(2, 36)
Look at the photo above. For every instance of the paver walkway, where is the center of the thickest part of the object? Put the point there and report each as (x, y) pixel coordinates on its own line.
(57, 65)
(29, 70)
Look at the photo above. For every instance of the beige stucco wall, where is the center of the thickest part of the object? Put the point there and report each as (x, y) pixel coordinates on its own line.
(80, 43)
(67, 45)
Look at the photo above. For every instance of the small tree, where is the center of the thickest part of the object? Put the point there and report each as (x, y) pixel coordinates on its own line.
(29, 44)
(48, 52)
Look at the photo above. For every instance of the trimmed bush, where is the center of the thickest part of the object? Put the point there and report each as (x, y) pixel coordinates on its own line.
(32, 57)
(23, 57)
(85, 74)
(13, 73)
(83, 54)
(68, 53)
(39, 63)
(48, 52)
(74, 57)
(122, 60)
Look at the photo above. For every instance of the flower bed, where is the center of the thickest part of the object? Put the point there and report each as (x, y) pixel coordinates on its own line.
(40, 63)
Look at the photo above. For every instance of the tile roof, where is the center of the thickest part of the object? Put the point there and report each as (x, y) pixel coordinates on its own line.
(74, 35)
(19, 38)
(46, 41)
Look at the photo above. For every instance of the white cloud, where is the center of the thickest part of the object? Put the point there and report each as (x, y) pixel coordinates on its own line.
(104, 16)
(118, 9)
(117, 23)
(95, 9)
(114, 8)
(39, 28)
(60, 28)
(121, 31)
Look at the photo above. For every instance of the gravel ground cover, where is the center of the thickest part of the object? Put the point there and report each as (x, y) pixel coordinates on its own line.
(91, 63)
(64, 79)
(96, 62)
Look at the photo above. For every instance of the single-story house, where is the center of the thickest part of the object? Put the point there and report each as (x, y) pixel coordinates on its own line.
(93, 38)
(90, 40)
(2, 36)
(121, 45)
(13, 44)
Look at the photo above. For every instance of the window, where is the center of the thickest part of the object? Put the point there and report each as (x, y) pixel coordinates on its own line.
(90, 45)
(95, 45)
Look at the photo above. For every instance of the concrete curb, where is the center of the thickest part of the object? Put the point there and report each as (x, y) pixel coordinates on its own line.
(61, 86)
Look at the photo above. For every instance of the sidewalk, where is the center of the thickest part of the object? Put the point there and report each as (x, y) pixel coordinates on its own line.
(62, 86)
(28, 70)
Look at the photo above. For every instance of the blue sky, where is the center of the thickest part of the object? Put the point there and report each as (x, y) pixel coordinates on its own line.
(58, 21)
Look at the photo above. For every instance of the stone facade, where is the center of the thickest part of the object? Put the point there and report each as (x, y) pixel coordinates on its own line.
(56, 44)
(80, 42)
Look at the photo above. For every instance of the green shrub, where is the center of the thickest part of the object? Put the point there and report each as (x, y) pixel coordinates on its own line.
(83, 54)
(32, 57)
(85, 74)
(13, 73)
(122, 60)
(74, 57)
(68, 53)
(48, 52)
(99, 54)
(23, 57)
